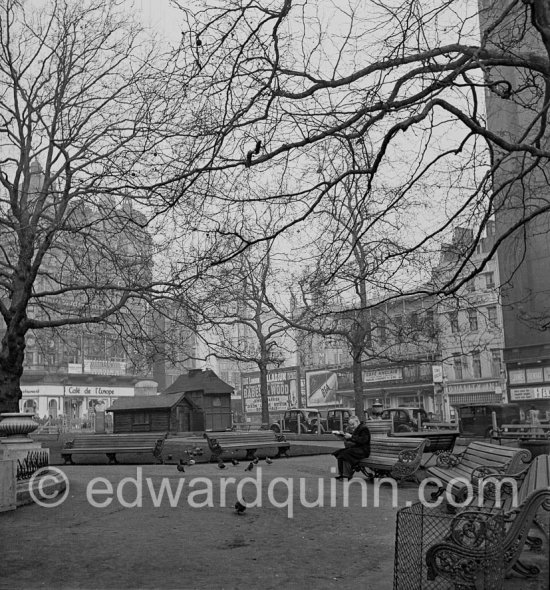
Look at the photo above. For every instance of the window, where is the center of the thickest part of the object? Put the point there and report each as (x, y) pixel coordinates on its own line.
(430, 323)
(495, 363)
(398, 321)
(382, 331)
(457, 363)
(472, 318)
(453, 320)
(141, 418)
(490, 280)
(476, 365)
(492, 317)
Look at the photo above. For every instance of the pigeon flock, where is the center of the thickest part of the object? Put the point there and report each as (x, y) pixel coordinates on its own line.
(197, 451)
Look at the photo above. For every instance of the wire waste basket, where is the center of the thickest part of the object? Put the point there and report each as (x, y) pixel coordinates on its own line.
(435, 550)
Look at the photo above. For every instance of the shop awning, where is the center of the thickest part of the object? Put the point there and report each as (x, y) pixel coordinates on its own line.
(475, 398)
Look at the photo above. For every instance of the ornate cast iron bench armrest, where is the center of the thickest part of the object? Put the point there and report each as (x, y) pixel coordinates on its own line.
(448, 460)
(408, 462)
(484, 471)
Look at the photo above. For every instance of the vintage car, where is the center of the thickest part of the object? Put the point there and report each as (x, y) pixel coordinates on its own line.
(338, 418)
(405, 419)
(301, 420)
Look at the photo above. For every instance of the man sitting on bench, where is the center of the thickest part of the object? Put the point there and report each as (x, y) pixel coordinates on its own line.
(357, 449)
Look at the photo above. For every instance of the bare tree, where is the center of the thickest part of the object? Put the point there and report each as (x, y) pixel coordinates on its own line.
(404, 83)
(346, 293)
(85, 105)
(237, 320)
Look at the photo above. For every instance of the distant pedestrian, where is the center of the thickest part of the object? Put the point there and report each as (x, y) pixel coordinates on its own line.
(533, 417)
(534, 420)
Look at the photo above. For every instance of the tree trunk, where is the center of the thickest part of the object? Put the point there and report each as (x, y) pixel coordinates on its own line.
(12, 355)
(356, 354)
(263, 395)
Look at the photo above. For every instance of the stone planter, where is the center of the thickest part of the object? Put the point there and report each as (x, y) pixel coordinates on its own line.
(17, 425)
(15, 442)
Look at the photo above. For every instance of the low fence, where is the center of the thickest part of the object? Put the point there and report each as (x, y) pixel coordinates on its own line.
(65, 424)
(34, 461)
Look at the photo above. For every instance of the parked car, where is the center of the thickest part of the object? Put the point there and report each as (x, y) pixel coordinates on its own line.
(404, 419)
(301, 420)
(477, 419)
(338, 418)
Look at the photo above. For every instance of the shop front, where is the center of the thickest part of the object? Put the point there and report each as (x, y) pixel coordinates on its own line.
(471, 393)
(74, 402)
(393, 386)
(530, 389)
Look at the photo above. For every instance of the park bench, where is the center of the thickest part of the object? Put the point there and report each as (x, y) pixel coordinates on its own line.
(473, 529)
(440, 426)
(399, 458)
(114, 444)
(379, 427)
(521, 432)
(472, 463)
(229, 442)
(439, 441)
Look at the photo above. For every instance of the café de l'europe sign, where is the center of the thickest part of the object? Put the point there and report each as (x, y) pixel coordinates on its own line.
(103, 391)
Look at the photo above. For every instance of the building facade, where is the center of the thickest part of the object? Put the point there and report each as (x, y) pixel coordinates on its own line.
(73, 370)
(521, 187)
(470, 329)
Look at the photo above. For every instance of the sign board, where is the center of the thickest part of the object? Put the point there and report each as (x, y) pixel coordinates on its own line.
(41, 390)
(533, 374)
(102, 391)
(516, 376)
(321, 387)
(525, 393)
(104, 367)
(393, 374)
(437, 373)
(282, 390)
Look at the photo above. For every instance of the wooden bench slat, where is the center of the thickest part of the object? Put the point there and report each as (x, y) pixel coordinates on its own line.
(111, 444)
(477, 455)
(386, 456)
(220, 442)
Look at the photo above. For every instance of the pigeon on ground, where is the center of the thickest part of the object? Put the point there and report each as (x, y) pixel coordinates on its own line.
(180, 466)
(250, 466)
(268, 460)
(234, 461)
(192, 461)
(255, 460)
(239, 507)
(221, 464)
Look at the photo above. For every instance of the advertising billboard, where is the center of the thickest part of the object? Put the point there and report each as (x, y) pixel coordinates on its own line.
(283, 387)
(321, 387)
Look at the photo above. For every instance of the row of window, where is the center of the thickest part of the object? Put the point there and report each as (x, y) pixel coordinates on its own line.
(460, 365)
(489, 278)
(473, 322)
